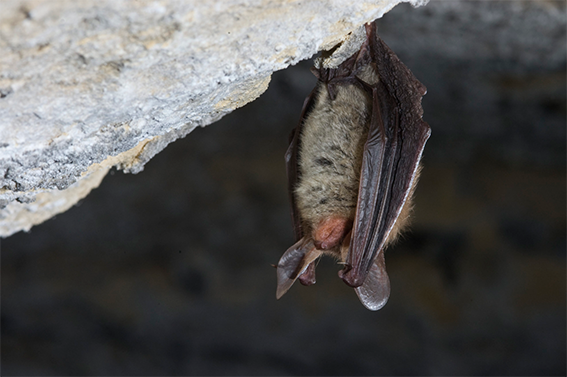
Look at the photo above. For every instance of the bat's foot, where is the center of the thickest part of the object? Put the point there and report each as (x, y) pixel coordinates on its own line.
(308, 277)
(351, 277)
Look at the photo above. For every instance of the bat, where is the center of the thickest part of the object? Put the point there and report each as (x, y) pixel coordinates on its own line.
(352, 166)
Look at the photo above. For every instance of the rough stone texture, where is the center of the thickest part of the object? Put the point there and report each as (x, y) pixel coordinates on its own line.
(43, 205)
(83, 81)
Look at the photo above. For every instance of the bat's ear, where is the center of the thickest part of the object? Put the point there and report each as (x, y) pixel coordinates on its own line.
(375, 291)
(294, 262)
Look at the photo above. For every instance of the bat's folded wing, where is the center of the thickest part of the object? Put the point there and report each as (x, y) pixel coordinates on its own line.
(396, 139)
(375, 291)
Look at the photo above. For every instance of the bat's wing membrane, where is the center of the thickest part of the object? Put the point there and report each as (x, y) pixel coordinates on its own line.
(375, 291)
(396, 139)
(294, 262)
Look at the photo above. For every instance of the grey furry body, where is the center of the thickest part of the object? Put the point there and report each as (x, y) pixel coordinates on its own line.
(330, 153)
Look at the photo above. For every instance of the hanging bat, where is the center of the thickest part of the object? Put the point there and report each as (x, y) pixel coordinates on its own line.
(352, 165)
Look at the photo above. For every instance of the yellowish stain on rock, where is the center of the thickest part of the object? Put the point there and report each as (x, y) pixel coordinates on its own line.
(242, 96)
(125, 159)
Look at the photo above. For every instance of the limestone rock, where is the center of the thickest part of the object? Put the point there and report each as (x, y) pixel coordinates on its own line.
(88, 85)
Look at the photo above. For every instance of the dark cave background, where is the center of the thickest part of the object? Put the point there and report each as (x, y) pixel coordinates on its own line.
(168, 272)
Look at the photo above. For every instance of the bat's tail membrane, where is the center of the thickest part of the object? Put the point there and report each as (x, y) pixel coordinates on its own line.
(375, 291)
(294, 262)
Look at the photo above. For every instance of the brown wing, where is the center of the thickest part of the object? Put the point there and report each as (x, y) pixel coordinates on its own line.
(392, 152)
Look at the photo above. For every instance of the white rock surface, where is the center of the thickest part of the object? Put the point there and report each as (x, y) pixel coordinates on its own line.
(87, 85)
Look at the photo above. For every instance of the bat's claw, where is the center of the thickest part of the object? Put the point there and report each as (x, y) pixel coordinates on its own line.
(308, 276)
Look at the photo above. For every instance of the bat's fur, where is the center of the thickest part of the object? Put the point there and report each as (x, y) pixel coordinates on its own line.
(330, 155)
